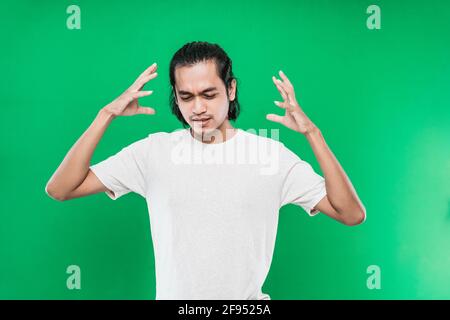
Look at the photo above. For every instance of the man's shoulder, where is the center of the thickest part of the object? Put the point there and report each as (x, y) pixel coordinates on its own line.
(269, 140)
(262, 136)
(154, 139)
(162, 136)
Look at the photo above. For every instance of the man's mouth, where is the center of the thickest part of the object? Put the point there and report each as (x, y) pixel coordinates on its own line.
(201, 121)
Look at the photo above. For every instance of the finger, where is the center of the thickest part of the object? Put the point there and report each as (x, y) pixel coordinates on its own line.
(150, 70)
(145, 110)
(283, 93)
(142, 81)
(275, 81)
(285, 79)
(285, 87)
(289, 91)
(280, 104)
(140, 94)
(289, 88)
(274, 118)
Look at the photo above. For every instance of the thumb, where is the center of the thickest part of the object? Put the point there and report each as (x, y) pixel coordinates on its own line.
(274, 118)
(145, 110)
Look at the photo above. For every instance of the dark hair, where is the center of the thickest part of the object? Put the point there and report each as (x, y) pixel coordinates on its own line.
(195, 52)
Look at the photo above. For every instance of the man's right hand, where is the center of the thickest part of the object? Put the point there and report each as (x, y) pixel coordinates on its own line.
(127, 103)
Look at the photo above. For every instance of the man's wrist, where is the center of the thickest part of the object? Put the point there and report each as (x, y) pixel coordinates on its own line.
(313, 134)
(105, 116)
(311, 130)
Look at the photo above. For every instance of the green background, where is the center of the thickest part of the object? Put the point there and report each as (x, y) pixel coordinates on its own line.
(380, 97)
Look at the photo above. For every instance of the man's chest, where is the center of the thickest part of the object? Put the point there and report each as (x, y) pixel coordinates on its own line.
(224, 191)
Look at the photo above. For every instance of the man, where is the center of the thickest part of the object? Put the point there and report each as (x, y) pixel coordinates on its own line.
(213, 222)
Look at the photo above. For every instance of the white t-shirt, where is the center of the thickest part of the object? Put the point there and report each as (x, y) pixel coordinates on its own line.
(213, 207)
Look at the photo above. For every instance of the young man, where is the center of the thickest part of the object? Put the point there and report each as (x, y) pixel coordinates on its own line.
(212, 201)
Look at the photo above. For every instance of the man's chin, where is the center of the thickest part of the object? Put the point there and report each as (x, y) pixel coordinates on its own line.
(206, 131)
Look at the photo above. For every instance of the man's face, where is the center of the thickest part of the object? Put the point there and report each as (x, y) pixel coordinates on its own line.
(201, 94)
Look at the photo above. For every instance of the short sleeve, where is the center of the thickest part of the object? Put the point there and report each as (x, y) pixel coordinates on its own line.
(301, 186)
(124, 171)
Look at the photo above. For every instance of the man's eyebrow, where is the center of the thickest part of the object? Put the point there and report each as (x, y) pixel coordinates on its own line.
(204, 91)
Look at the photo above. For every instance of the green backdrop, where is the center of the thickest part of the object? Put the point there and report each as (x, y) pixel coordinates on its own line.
(380, 97)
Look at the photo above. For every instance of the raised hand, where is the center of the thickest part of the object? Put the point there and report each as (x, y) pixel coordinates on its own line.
(294, 118)
(127, 103)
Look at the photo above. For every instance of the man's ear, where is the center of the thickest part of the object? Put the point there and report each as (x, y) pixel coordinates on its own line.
(232, 90)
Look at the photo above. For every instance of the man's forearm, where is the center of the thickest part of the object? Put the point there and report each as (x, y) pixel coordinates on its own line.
(74, 168)
(340, 191)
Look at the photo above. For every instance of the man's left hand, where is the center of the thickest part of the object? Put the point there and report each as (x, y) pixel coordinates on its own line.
(294, 117)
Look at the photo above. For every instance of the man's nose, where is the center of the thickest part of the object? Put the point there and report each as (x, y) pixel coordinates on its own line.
(199, 106)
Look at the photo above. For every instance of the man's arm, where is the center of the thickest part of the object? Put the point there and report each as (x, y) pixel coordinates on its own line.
(341, 202)
(73, 178)
(74, 170)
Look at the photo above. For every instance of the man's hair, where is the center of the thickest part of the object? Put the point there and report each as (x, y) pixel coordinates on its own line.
(195, 52)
